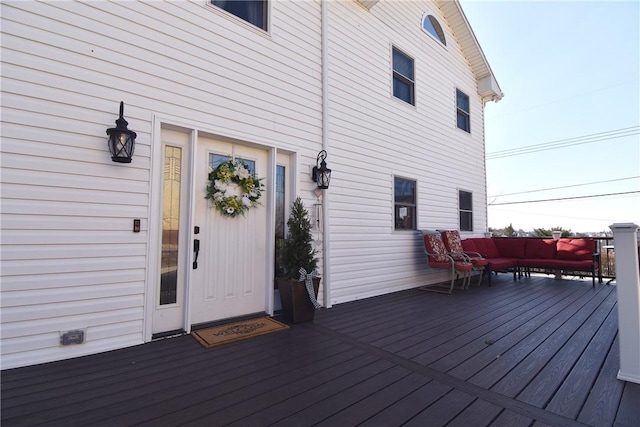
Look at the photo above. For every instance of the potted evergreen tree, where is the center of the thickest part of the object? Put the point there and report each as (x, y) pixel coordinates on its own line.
(298, 253)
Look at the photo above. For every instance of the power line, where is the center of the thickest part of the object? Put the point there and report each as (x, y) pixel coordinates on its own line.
(563, 198)
(555, 215)
(566, 186)
(567, 142)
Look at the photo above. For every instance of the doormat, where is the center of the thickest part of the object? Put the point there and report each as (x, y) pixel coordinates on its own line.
(237, 331)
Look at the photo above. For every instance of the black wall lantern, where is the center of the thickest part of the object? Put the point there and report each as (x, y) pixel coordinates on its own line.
(321, 174)
(122, 141)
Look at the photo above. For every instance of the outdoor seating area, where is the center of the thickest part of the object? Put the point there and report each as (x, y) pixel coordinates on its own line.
(531, 352)
(445, 249)
(519, 255)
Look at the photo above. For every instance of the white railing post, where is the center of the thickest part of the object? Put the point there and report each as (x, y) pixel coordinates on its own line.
(628, 289)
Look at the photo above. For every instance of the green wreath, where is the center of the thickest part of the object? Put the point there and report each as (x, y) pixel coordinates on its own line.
(233, 189)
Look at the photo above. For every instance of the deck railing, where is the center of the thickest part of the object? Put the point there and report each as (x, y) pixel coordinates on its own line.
(604, 246)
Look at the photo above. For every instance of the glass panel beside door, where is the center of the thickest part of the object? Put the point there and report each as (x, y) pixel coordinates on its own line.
(170, 225)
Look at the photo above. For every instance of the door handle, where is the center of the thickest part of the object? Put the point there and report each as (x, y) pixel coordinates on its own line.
(196, 251)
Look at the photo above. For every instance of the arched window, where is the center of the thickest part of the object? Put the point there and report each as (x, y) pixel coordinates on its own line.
(431, 25)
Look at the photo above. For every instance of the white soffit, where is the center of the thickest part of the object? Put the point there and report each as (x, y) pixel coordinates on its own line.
(488, 87)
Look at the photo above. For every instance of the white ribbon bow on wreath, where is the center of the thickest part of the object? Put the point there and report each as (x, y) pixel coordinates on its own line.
(307, 278)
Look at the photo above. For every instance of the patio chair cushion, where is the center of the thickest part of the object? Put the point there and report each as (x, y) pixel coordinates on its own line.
(463, 266)
(560, 264)
(435, 246)
(451, 239)
(478, 261)
(540, 249)
(510, 247)
(576, 249)
(468, 245)
(486, 247)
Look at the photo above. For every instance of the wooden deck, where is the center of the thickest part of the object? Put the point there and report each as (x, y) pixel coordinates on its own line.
(537, 352)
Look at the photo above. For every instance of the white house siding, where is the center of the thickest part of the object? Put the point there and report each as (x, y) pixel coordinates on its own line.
(69, 257)
(374, 136)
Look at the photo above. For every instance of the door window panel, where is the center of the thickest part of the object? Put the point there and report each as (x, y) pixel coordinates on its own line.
(170, 225)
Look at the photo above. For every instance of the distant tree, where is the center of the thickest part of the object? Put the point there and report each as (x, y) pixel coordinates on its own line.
(543, 232)
(509, 231)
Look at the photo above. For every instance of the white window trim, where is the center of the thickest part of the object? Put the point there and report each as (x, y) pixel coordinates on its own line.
(230, 16)
(425, 15)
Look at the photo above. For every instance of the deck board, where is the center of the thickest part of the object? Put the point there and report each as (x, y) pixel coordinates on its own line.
(574, 391)
(546, 382)
(628, 410)
(412, 404)
(176, 403)
(479, 412)
(597, 409)
(443, 410)
(530, 357)
(535, 351)
(440, 331)
(510, 419)
(504, 332)
(368, 397)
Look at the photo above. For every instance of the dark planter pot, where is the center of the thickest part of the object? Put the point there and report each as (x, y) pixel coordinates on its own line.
(294, 299)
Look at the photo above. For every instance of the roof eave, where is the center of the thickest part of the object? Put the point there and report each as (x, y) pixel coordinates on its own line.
(488, 87)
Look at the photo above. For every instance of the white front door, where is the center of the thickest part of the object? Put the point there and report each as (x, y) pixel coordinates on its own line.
(231, 275)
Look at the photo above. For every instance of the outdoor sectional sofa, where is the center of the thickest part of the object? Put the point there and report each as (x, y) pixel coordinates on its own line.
(521, 254)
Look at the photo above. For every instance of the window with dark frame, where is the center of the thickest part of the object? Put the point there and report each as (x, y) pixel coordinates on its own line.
(404, 204)
(252, 11)
(462, 111)
(465, 202)
(403, 80)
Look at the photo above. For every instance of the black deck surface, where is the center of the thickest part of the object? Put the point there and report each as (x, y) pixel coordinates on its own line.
(536, 352)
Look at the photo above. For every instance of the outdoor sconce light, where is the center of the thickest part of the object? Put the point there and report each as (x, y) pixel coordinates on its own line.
(321, 174)
(122, 141)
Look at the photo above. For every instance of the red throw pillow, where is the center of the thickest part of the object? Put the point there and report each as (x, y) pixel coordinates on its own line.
(576, 249)
(540, 249)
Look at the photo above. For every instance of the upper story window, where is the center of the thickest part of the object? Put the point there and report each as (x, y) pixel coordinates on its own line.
(404, 193)
(403, 83)
(431, 25)
(465, 203)
(252, 11)
(462, 111)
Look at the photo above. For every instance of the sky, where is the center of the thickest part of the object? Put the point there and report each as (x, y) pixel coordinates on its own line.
(569, 123)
